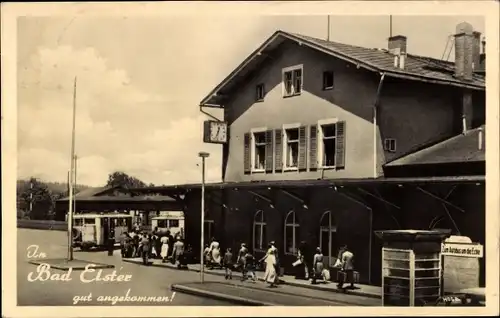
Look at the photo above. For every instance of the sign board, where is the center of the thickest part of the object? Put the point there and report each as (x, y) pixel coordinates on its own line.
(460, 263)
(462, 249)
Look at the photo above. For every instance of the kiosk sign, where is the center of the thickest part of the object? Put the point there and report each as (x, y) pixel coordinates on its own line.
(462, 249)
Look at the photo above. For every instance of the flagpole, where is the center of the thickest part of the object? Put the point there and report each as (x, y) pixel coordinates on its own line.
(71, 177)
(328, 30)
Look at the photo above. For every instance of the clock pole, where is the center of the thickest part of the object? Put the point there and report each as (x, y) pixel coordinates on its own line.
(202, 155)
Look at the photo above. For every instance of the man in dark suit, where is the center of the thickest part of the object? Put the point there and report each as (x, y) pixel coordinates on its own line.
(111, 242)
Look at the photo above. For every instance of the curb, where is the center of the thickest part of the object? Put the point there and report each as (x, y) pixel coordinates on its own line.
(314, 287)
(218, 296)
(66, 267)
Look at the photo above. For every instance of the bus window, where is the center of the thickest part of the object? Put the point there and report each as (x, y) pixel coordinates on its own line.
(173, 223)
(89, 221)
(123, 222)
(77, 222)
(162, 223)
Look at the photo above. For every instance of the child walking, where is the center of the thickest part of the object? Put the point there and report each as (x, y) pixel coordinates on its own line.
(250, 266)
(228, 264)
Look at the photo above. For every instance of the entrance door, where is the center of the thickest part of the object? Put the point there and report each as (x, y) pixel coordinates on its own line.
(328, 238)
(208, 231)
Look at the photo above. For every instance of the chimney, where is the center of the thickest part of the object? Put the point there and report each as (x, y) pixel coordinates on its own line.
(482, 57)
(467, 49)
(397, 47)
(397, 42)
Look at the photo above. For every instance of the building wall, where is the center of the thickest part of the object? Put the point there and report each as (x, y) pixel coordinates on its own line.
(351, 100)
(413, 113)
(416, 114)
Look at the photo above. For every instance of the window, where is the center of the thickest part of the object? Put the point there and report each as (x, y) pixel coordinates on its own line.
(173, 223)
(162, 223)
(77, 222)
(291, 233)
(259, 231)
(259, 92)
(259, 151)
(89, 221)
(292, 148)
(390, 144)
(292, 81)
(328, 238)
(327, 80)
(329, 143)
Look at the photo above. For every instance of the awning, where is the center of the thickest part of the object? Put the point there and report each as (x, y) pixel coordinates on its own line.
(295, 184)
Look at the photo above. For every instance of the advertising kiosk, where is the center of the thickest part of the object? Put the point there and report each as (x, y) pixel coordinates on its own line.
(411, 267)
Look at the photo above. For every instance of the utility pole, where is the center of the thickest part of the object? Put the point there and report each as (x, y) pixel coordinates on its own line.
(390, 26)
(71, 174)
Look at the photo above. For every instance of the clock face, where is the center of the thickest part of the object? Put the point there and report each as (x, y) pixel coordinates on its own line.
(218, 132)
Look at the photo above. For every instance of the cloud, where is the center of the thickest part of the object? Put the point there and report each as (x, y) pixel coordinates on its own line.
(118, 126)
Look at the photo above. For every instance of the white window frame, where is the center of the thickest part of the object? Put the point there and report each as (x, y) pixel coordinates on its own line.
(257, 87)
(387, 143)
(285, 145)
(321, 146)
(254, 131)
(326, 88)
(292, 69)
(261, 224)
(294, 228)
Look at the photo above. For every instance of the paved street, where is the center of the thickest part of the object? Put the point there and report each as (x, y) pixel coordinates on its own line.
(152, 281)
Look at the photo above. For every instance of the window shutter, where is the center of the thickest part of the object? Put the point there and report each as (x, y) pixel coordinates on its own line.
(340, 146)
(269, 151)
(313, 148)
(246, 156)
(302, 148)
(278, 146)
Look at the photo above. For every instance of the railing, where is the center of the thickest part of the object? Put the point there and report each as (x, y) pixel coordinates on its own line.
(42, 225)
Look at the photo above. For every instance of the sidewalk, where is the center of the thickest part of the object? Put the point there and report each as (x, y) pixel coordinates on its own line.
(361, 290)
(259, 294)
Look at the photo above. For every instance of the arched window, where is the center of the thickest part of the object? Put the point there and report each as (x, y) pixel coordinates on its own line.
(291, 233)
(328, 238)
(259, 231)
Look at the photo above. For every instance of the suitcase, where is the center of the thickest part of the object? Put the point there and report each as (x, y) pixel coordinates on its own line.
(342, 274)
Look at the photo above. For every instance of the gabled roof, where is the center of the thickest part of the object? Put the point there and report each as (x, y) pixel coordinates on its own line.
(418, 68)
(102, 194)
(458, 149)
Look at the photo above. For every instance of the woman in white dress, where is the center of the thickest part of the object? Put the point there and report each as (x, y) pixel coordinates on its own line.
(215, 253)
(270, 275)
(164, 248)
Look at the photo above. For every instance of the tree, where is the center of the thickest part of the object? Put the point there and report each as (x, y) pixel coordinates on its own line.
(34, 200)
(122, 179)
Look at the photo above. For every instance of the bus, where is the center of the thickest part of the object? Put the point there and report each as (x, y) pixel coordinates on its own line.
(91, 230)
(174, 223)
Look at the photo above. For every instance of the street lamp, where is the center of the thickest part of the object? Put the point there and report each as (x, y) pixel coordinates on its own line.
(202, 155)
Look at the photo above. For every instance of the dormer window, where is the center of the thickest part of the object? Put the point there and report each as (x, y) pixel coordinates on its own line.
(292, 81)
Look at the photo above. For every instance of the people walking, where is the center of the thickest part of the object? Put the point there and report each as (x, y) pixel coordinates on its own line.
(228, 264)
(145, 247)
(164, 248)
(207, 256)
(318, 266)
(270, 275)
(347, 268)
(240, 262)
(111, 242)
(215, 253)
(178, 252)
(250, 266)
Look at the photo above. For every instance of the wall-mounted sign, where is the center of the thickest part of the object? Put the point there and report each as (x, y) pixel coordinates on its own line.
(215, 132)
(462, 249)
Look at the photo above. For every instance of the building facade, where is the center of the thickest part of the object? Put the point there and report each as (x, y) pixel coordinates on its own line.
(314, 127)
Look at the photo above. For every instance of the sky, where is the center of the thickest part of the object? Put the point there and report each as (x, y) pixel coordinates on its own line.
(140, 81)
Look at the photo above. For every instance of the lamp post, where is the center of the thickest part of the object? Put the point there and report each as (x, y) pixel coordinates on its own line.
(202, 155)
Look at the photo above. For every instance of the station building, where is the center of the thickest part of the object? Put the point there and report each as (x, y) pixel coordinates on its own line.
(329, 142)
